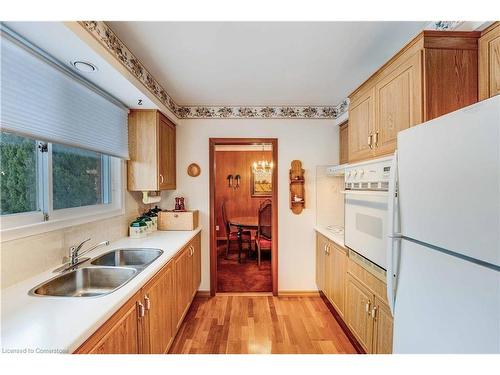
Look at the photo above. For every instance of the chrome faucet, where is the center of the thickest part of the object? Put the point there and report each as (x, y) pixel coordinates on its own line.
(74, 251)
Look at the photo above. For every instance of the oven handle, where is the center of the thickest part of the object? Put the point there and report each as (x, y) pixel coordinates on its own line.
(377, 193)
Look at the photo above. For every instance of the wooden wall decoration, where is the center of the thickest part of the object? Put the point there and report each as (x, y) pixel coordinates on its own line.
(297, 187)
(239, 202)
(193, 170)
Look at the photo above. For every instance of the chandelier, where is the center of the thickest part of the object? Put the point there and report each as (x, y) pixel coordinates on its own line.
(262, 166)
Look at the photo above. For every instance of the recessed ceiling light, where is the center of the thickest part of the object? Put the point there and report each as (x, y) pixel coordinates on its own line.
(84, 66)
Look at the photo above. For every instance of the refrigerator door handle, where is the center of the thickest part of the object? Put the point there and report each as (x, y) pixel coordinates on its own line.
(393, 236)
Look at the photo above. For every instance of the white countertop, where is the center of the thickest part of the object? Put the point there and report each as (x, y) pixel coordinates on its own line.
(64, 323)
(338, 238)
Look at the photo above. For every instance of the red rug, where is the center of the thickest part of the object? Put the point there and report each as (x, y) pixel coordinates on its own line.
(245, 276)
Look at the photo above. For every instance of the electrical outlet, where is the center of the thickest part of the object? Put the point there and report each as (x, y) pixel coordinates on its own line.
(216, 227)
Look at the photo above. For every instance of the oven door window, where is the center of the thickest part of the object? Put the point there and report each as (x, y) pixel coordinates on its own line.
(366, 226)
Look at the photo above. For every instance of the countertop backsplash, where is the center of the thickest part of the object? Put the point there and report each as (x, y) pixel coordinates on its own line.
(22, 258)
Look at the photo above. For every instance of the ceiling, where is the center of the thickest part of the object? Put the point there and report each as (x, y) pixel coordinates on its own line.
(62, 44)
(263, 63)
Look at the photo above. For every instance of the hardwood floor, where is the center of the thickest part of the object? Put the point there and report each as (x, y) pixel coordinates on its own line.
(245, 276)
(260, 324)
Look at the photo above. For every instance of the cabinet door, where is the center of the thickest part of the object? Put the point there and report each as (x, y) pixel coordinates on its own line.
(122, 337)
(494, 66)
(183, 283)
(196, 263)
(320, 261)
(359, 302)
(166, 154)
(159, 304)
(361, 126)
(338, 257)
(398, 103)
(383, 324)
(343, 143)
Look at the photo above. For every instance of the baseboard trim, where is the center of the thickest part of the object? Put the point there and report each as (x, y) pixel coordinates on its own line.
(203, 293)
(245, 294)
(298, 293)
(342, 324)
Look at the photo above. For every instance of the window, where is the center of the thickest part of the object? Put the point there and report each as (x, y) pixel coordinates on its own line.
(80, 177)
(47, 182)
(18, 174)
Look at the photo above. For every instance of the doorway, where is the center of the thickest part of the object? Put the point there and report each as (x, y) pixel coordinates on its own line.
(243, 215)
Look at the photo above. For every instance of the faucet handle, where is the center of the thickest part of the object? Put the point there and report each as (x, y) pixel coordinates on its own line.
(75, 248)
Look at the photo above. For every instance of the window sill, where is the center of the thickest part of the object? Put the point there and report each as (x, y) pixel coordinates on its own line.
(52, 225)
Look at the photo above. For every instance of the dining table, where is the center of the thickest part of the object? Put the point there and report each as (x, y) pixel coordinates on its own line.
(242, 223)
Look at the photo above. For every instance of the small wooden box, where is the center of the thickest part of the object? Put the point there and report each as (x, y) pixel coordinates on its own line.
(171, 220)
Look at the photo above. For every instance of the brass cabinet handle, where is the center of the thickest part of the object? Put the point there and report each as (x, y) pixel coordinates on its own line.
(374, 312)
(370, 141)
(367, 307)
(147, 302)
(161, 178)
(376, 138)
(141, 310)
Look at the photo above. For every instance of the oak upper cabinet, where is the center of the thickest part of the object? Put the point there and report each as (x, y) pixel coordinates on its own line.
(158, 299)
(361, 125)
(338, 273)
(343, 143)
(489, 62)
(434, 74)
(398, 99)
(383, 327)
(358, 307)
(152, 164)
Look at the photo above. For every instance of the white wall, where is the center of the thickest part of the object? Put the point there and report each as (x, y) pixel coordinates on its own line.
(314, 142)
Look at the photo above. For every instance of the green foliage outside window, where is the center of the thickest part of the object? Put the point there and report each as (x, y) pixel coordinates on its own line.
(79, 177)
(18, 174)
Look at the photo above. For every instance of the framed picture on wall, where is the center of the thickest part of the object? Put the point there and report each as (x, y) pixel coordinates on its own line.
(261, 182)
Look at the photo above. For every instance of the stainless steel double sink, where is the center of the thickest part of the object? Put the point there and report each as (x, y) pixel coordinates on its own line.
(99, 276)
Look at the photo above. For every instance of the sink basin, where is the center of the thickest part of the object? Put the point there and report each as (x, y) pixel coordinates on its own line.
(136, 258)
(85, 282)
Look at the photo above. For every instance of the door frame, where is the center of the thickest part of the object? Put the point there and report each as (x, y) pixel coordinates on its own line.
(213, 236)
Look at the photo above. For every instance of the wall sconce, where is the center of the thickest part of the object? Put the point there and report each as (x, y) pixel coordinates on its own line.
(233, 182)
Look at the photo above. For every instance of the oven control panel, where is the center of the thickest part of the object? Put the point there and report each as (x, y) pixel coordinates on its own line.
(370, 175)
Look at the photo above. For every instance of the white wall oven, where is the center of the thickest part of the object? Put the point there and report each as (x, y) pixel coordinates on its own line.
(366, 208)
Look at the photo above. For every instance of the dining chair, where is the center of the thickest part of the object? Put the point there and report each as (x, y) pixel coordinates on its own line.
(246, 235)
(263, 238)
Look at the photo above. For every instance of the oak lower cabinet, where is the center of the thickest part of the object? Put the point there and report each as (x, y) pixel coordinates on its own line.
(358, 309)
(321, 243)
(434, 74)
(367, 314)
(489, 62)
(357, 295)
(158, 298)
(152, 144)
(149, 321)
(119, 335)
(331, 266)
(187, 277)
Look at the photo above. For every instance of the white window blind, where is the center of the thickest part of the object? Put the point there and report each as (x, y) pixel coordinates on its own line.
(41, 100)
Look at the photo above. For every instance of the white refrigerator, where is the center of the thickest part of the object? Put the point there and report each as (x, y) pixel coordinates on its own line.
(443, 273)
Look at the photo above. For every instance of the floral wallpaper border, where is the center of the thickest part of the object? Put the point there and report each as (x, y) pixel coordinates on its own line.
(445, 25)
(108, 39)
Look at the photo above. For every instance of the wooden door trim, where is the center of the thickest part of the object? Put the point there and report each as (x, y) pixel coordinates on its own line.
(212, 142)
